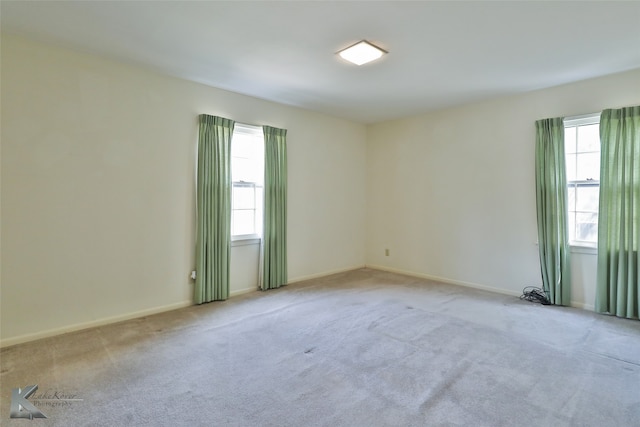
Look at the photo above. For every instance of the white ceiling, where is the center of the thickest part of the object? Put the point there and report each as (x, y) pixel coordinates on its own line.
(440, 53)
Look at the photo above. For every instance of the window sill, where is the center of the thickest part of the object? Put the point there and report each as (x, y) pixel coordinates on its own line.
(245, 240)
(588, 250)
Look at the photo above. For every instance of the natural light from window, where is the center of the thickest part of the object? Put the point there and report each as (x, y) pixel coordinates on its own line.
(582, 156)
(247, 173)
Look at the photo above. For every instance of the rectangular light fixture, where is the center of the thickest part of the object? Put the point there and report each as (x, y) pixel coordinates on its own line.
(361, 53)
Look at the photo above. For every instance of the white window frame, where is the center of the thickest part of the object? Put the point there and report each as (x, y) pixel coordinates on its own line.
(577, 121)
(245, 239)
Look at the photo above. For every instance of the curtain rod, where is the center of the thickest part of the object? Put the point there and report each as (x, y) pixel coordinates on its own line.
(582, 116)
(249, 125)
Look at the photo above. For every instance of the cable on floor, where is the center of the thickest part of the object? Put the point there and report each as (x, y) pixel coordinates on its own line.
(533, 294)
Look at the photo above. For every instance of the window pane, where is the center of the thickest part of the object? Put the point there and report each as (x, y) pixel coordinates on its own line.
(240, 169)
(587, 199)
(570, 140)
(582, 156)
(243, 198)
(247, 157)
(247, 171)
(259, 203)
(587, 227)
(571, 197)
(572, 226)
(243, 222)
(242, 145)
(589, 138)
(570, 161)
(588, 167)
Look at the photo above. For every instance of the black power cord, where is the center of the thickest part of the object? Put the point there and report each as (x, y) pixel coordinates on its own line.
(533, 294)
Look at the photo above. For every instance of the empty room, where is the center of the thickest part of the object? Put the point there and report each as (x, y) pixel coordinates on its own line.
(320, 213)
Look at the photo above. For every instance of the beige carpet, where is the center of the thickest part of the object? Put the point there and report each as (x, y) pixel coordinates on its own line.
(365, 348)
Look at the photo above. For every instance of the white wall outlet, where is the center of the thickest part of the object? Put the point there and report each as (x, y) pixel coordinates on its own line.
(193, 275)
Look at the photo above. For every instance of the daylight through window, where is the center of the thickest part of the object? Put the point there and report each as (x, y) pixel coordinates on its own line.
(247, 174)
(582, 156)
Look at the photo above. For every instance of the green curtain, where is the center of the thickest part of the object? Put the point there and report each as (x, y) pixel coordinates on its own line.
(618, 281)
(213, 199)
(551, 200)
(274, 240)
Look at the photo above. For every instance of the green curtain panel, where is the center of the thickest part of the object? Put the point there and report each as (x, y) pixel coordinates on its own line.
(551, 201)
(274, 241)
(618, 281)
(213, 199)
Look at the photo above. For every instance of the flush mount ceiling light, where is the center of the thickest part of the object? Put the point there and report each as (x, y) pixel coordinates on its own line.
(362, 52)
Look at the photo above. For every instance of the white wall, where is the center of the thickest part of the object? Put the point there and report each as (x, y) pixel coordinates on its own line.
(244, 266)
(451, 194)
(98, 167)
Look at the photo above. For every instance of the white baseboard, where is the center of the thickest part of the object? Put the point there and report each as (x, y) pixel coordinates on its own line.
(444, 280)
(576, 304)
(583, 306)
(242, 291)
(114, 319)
(92, 324)
(324, 274)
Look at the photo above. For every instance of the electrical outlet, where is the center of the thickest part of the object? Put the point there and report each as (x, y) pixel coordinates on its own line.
(386, 252)
(193, 275)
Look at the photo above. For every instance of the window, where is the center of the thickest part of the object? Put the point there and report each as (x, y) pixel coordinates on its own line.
(247, 174)
(582, 154)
